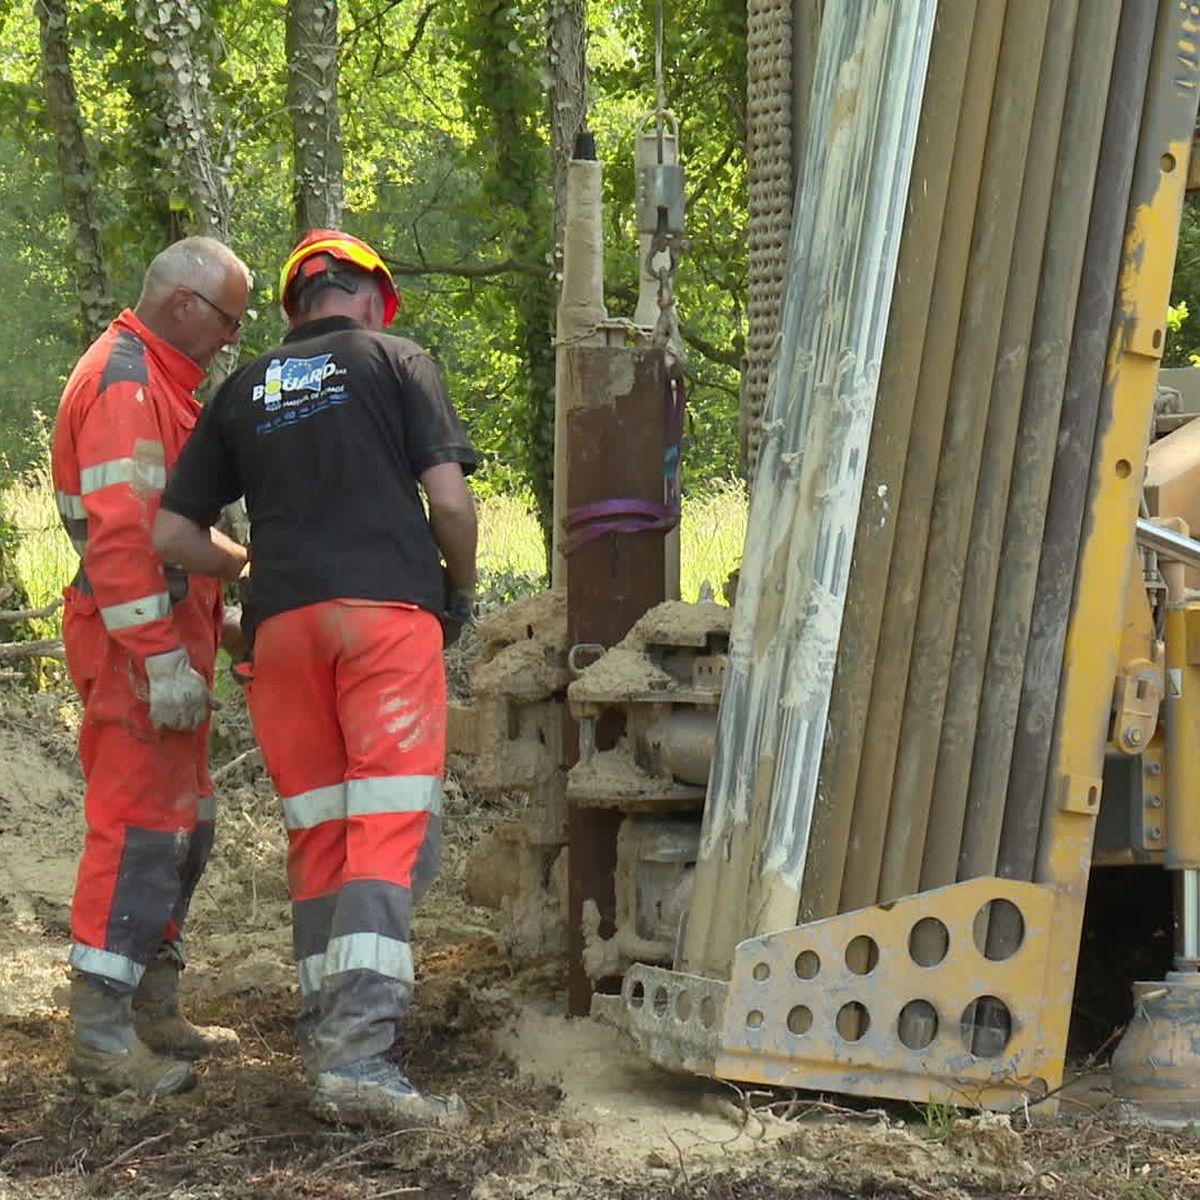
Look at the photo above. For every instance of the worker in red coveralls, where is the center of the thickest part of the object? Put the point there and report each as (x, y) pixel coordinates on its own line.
(141, 637)
(328, 437)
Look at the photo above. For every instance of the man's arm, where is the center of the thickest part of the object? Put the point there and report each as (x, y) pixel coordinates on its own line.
(198, 549)
(204, 480)
(120, 454)
(453, 521)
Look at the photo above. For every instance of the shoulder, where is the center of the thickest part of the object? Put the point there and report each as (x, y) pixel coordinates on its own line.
(114, 358)
(126, 360)
(414, 365)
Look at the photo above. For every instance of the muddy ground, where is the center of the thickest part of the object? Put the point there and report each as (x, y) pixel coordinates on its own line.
(558, 1108)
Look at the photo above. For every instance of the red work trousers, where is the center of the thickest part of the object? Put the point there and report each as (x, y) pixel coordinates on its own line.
(348, 700)
(149, 805)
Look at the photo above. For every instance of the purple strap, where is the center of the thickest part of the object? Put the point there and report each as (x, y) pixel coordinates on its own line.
(591, 521)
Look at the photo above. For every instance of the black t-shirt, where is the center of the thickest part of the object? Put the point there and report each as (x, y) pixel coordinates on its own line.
(326, 437)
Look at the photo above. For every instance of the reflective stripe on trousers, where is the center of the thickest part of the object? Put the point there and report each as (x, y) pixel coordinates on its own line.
(348, 702)
(149, 809)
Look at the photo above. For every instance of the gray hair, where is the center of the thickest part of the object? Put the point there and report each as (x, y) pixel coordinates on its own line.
(190, 262)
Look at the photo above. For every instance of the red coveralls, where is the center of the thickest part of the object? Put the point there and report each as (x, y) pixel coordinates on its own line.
(348, 700)
(125, 414)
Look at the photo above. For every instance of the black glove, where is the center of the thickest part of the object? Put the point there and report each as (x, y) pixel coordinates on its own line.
(458, 610)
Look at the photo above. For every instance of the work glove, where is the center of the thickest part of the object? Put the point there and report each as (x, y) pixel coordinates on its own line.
(179, 697)
(458, 611)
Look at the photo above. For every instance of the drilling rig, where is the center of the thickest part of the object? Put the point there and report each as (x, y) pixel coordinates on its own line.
(840, 837)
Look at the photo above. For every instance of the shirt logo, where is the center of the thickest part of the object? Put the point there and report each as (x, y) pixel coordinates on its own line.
(304, 376)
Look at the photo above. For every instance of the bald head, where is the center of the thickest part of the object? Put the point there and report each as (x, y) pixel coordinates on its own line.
(194, 296)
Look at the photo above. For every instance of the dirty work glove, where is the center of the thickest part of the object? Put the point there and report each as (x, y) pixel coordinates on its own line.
(179, 697)
(458, 612)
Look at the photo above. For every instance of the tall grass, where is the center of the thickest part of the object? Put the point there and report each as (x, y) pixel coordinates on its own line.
(710, 538)
(44, 559)
(711, 534)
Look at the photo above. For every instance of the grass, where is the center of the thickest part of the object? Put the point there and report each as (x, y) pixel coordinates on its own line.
(510, 545)
(43, 559)
(711, 534)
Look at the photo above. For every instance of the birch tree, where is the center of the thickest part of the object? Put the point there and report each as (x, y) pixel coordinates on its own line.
(199, 161)
(75, 168)
(312, 62)
(566, 91)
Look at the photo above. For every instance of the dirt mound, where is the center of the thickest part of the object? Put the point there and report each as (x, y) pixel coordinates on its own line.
(984, 1151)
(558, 1108)
(41, 831)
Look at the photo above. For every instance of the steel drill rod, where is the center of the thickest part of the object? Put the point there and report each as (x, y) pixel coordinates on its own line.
(1082, 170)
(1015, 354)
(866, 770)
(979, 334)
(1074, 445)
(1187, 922)
(981, 828)
(919, 262)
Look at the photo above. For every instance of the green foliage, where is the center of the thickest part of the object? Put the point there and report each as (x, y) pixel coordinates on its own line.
(1183, 331)
(447, 172)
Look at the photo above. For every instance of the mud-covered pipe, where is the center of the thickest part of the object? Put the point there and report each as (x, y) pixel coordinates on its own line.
(683, 743)
(580, 308)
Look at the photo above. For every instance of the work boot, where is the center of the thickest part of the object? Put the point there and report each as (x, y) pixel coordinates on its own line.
(108, 1055)
(375, 1091)
(164, 1028)
(306, 1041)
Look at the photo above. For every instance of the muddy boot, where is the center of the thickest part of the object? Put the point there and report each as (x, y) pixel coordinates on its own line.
(306, 1041)
(165, 1029)
(375, 1091)
(108, 1055)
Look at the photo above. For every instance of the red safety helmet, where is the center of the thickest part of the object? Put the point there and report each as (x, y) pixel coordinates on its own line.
(308, 259)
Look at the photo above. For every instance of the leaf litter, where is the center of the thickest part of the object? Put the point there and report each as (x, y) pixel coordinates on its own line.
(558, 1108)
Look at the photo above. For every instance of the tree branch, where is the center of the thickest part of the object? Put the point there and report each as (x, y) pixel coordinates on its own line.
(31, 614)
(717, 167)
(729, 356)
(467, 270)
(44, 648)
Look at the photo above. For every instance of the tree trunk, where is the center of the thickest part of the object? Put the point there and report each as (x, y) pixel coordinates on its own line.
(566, 51)
(312, 59)
(75, 168)
(505, 96)
(181, 78)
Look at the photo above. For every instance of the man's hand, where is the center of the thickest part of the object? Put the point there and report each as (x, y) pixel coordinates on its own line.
(459, 612)
(179, 697)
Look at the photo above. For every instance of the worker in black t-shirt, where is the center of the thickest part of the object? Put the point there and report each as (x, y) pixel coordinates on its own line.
(327, 437)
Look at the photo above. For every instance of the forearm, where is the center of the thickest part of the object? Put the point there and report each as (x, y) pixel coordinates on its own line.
(197, 549)
(455, 529)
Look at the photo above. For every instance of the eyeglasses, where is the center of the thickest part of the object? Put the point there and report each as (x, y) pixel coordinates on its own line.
(234, 323)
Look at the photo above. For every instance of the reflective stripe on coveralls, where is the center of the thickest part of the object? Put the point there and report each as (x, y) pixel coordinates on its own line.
(348, 701)
(361, 797)
(125, 415)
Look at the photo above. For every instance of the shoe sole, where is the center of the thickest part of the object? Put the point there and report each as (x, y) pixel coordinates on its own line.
(220, 1050)
(100, 1087)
